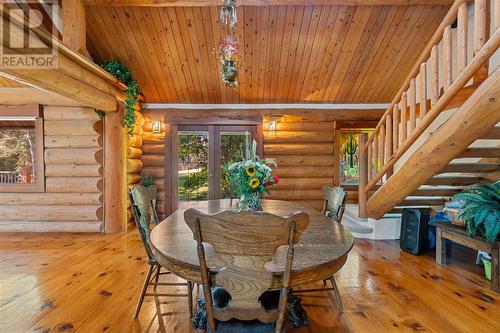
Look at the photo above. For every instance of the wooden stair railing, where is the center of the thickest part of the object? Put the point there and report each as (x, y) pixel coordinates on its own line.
(410, 113)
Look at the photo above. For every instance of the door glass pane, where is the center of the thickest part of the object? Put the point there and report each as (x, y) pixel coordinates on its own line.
(193, 167)
(232, 145)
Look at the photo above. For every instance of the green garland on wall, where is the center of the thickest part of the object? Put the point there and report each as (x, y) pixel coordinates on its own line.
(132, 93)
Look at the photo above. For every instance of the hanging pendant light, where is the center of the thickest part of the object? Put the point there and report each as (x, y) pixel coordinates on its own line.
(229, 73)
(228, 14)
(228, 47)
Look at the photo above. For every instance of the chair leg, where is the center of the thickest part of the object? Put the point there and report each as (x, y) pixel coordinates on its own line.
(157, 277)
(190, 297)
(143, 291)
(281, 321)
(338, 300)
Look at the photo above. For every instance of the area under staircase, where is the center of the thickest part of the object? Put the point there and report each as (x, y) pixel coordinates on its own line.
(441, 132)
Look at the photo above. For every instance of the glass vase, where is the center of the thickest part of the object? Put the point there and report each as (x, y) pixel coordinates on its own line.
(251, 201)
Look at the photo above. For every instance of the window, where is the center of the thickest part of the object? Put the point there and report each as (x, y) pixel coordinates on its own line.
(21, 149)
(349, 155)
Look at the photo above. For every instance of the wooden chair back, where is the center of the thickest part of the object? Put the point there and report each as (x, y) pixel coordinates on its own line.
(143, 203)
(335, 199)
(245, 242)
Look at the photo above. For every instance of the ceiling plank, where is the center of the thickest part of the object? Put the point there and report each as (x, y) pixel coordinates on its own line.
(288, 54)
(197, 3)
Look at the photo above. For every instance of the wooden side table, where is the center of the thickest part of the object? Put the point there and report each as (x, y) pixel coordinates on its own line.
(459, 235)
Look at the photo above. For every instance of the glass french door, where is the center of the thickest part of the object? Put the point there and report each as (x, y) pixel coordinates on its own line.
(202, 152)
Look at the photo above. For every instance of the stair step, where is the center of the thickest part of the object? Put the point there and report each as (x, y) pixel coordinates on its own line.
(478, 152)
(453, 180)
(422, 202)
(396, 211)
(356, 227)
(435, 192)
(399, 209)
(494, 133)
(471, 167)
(392, 215)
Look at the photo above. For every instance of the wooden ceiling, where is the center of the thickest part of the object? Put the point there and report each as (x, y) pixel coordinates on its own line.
(290, 54)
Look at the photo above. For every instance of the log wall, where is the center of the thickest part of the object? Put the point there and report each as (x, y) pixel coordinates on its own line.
(72, 200)
(304, 152)
(153, 159)
(303, 146)
(134, 155)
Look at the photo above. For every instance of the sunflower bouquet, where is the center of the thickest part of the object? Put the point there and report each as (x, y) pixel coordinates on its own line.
(251, 178)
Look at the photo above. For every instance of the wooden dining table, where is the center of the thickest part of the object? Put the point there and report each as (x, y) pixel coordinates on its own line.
(321, 251)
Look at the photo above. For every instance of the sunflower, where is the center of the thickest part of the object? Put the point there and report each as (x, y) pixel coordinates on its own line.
(254, 182)
(250, 170)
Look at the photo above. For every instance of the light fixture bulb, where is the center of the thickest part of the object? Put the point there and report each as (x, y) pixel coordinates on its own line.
(272, 126)
(156, 125)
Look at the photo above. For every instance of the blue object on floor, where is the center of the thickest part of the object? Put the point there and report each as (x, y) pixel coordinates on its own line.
(440, 217)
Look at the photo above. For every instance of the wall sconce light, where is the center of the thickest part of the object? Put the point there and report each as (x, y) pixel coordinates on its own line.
(273, 125)
(156, 124)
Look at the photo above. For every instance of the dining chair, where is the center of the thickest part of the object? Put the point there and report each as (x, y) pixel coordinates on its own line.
(335, 199)
(243, 244)
(143, 202)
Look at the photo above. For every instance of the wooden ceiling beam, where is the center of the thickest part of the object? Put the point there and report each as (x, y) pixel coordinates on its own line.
(29, 95)
(69, 79)
(53, 80)
(341, 115)
(74, 25)
(203, 3)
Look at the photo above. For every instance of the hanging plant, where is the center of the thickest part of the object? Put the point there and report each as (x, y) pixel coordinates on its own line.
(132, 93)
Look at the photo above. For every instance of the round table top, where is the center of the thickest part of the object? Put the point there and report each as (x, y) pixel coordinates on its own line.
(323, 242)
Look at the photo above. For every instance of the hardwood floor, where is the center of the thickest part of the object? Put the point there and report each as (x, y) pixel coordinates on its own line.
(90, 283)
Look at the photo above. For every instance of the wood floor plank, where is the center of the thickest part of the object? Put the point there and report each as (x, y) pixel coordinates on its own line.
(90, 283)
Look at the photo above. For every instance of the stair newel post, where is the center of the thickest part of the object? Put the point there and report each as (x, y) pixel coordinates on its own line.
(363, 174)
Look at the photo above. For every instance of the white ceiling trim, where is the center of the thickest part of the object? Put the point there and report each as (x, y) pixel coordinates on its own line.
(366, 106)
(17, 118)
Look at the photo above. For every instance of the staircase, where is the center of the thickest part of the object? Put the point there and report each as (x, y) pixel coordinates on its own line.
(441, 132)
(475, 164)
